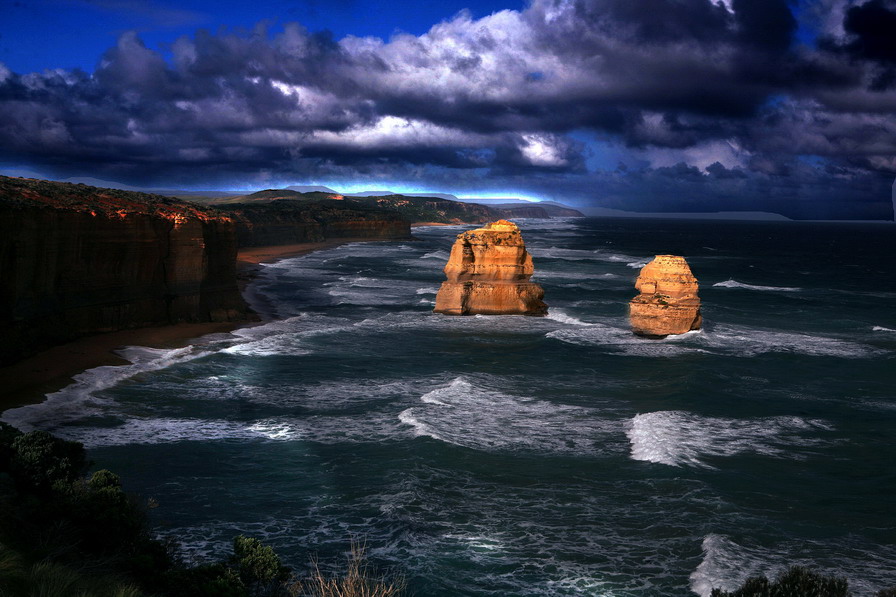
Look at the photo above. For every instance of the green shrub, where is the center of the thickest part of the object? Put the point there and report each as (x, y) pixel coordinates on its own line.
(109, 521)
(41, 462)
(258, 567)
(795, 582)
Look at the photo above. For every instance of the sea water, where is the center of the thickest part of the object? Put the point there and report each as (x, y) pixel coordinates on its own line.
(521, 456)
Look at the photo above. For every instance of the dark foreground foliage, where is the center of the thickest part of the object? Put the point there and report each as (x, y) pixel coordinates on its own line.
(63, 534)
(796, 581)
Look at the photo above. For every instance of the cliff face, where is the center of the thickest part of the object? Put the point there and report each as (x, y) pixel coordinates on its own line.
(488, 273)
(76, 260)
(668, 303)
(284, 222)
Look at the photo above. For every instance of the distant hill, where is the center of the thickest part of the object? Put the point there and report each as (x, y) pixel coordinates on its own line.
(433, 209)
(495, 200)
(268, 195)
(370, 194)
(717, 215)
(448, 196)
(428, 207)
(108, 184)
(545, 209)
(311, 189)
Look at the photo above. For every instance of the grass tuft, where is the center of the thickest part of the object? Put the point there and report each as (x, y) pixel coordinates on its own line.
(359, 580)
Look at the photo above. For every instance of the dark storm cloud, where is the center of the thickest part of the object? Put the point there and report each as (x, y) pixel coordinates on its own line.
(722, 88)
(869, 30)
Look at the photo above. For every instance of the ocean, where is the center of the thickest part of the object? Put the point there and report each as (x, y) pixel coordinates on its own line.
(521, 456)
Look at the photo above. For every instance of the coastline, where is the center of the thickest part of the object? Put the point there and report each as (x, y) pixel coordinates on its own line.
(29, 380)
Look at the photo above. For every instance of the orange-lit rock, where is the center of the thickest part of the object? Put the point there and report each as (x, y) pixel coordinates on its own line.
(488, 273)
(668, 303)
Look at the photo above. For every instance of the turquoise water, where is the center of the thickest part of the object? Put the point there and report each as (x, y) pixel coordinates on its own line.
(512, 456)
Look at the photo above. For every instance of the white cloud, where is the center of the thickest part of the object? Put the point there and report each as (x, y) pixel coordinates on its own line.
(394, 132)
(543, 150)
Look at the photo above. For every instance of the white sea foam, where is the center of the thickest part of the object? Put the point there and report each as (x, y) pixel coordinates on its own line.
(636, 264)
(464, 414)
(880, 328)
(566, 254)
(562, 317)
(726, 565)
(428, 290)
(166, 430)
(720, 339)
(79, 400)
(285, 336)
(678, 438)
(438, 254)
(323, 429)
(748, 342)
(735, 284)
(621, 340)
(477, 542)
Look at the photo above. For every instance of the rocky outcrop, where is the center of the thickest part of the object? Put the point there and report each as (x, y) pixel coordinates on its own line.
(488, 273)
(285, 222)
(668, 303)
(76, 260)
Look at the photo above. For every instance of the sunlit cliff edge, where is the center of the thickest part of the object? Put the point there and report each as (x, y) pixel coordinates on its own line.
(78, 260)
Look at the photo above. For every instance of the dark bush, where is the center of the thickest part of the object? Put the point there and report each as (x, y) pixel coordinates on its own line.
(258, 567)
(41, 462)
(109, 521)
(795, 582)
(210, 580)
(8, 434)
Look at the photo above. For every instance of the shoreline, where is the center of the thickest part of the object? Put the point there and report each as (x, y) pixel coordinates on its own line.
(29, 380)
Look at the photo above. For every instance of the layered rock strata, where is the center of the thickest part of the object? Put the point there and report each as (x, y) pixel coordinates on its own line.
(76, 260)
(285, 222)
(668, 303)
(488, 273)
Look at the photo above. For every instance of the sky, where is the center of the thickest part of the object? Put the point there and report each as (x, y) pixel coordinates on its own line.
(640, 105)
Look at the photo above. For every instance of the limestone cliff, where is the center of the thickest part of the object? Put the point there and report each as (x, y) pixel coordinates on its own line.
(285, 221)
(488, 273)
(668, 303)
(76, 260)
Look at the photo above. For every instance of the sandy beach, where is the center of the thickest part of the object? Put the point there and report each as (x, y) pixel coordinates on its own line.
(29, 380)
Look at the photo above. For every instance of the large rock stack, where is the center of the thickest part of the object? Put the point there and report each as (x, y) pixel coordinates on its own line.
(668, 303)
(488, 273)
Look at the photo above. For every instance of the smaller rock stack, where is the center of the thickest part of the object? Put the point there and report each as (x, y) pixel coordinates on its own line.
(488, 273)
(668, 303)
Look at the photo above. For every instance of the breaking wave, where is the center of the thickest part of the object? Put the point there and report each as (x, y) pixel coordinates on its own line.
(470, 416)
(736, 284)
(678, 438)
(80, 399)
